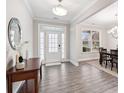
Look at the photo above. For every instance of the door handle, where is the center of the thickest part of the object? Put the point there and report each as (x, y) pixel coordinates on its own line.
(59, 45)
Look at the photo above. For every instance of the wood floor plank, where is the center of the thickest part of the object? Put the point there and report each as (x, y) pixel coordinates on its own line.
(67, 78)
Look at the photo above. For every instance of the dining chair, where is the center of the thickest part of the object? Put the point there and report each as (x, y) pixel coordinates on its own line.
(100, 55)
(114, 56)
(105, 57)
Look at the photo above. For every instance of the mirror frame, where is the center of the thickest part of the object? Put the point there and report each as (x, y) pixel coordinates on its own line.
(13, 20)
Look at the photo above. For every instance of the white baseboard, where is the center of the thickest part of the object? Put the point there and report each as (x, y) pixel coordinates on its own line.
(88, 59)
(74, 62)
(66, 60)
(52, 64)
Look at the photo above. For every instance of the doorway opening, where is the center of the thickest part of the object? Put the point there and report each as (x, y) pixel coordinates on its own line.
(51, 44)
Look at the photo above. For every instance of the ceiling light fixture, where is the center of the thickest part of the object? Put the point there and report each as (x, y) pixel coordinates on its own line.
(114, 31)
(59, 10)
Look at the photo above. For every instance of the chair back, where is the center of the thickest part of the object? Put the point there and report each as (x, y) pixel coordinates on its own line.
(114, 55)
(100, 49)
(104, 50)
(115, 52)
(104, 56)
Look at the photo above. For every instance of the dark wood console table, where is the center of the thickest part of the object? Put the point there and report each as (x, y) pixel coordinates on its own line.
(32, 67)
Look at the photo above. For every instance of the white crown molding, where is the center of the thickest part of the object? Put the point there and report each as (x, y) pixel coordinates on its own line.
(29, 8)
(51, 20)
(92, 9)
(81, 12)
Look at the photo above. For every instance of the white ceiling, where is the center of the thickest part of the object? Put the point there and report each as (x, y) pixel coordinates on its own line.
(105, 18)
(43, 8)
(97, 12)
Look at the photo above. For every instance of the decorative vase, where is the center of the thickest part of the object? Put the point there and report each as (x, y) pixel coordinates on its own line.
(21, 63)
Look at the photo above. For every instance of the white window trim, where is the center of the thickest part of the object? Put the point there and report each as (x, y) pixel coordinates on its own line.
(91, 30)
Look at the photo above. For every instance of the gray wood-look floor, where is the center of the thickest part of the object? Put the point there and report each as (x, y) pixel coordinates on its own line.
(67, 78)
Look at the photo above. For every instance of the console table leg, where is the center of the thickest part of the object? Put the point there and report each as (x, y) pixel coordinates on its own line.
(9, 85)
(36, 82)
(40, 73)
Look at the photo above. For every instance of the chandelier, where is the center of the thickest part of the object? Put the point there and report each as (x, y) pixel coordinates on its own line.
(113, 31)
(59, 10)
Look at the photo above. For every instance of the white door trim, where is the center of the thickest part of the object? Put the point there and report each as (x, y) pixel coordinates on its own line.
(38, 42)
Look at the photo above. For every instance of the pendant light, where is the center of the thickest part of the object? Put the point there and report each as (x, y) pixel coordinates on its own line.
(59, 10)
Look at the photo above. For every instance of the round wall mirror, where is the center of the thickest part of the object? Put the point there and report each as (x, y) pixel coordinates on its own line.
(14, 33)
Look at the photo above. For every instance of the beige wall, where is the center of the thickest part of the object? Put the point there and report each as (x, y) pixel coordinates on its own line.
(17, 8)
(35, 34)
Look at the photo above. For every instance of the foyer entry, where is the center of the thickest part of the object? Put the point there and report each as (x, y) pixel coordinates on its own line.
(52, 44)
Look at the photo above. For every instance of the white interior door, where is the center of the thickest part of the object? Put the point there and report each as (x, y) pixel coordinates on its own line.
(53, 47)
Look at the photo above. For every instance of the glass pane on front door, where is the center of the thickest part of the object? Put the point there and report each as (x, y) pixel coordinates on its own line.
(53, 42)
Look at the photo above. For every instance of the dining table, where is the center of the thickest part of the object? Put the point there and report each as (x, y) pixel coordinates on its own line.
(109, 54)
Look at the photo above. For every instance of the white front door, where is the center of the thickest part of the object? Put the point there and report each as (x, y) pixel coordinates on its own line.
(53, 47)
